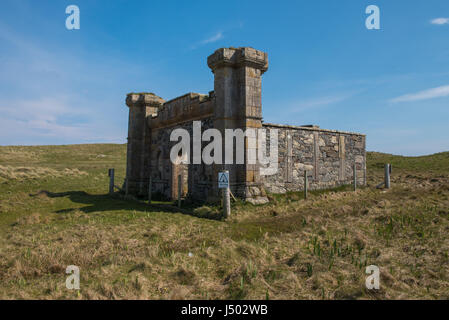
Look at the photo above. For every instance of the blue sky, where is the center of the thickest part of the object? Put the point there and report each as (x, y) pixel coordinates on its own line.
(62, 87)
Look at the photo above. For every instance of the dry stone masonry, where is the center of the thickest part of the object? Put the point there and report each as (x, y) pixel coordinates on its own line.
(327, 155)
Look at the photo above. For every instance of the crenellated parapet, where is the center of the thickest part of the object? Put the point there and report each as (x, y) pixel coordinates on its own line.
(150, 101)
(189, 107)
(238, 57)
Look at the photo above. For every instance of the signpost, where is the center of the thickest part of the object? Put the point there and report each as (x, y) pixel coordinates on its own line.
(111, 181)
(223, 183)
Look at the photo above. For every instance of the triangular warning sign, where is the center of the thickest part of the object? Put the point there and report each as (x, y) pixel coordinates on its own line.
(223, 178)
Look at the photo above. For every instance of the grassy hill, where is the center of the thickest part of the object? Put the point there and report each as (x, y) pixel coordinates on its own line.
(55, 212)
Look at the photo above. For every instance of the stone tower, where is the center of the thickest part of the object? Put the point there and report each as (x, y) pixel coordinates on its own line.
(238, 90)
(141, 107)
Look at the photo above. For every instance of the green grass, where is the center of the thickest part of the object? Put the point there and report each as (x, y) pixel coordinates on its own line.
(436, 163)
(55, 212)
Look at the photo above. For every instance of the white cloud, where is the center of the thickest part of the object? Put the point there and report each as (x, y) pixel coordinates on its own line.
(43, 117)
(50, 120)
(440, 21)
(214, 38)
(438, 92)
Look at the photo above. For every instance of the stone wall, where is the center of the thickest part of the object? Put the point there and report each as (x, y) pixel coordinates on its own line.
(327, 155)
(197, 178)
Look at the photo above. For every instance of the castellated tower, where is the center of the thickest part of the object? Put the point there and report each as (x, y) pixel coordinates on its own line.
(238, 90)
(141, 107)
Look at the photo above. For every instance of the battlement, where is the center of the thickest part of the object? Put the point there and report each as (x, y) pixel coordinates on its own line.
(189, 107)
(236, 57)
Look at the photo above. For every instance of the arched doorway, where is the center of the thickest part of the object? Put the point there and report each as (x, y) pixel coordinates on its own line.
(180, 168)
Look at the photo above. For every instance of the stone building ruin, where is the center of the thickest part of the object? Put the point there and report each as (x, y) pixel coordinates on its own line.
(328, 155)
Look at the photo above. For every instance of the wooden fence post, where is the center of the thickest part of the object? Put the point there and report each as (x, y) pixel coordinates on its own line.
(355, 177)
(305, 184)
(150, 187)
(226, 202)
(111, 181)
(387, 175)
(179, 190)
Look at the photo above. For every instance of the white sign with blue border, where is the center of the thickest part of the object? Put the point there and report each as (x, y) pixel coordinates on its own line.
(223, 180)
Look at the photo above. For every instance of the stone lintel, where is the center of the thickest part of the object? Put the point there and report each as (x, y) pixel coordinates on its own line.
(253, 123)
(238, 57)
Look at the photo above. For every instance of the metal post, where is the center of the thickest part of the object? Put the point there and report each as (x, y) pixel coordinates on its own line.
(226, 202)
(179, 190)
(305, 184)
(150, 187)
(387, 175)
(111, 181)
(355, 177)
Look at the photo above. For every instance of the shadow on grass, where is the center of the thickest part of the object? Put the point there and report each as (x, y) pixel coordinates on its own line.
(117, 202)
(96, 202)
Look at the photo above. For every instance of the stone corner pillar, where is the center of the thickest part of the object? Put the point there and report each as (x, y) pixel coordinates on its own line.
(238, 91)
(138, 157)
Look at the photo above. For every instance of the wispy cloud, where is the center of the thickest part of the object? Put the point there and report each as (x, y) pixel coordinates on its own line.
(297, 110)
(41, 103)
(214, 38)
(54, 118)
(319, 102)
(440, 21)
(45, 117)
(438, 92)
